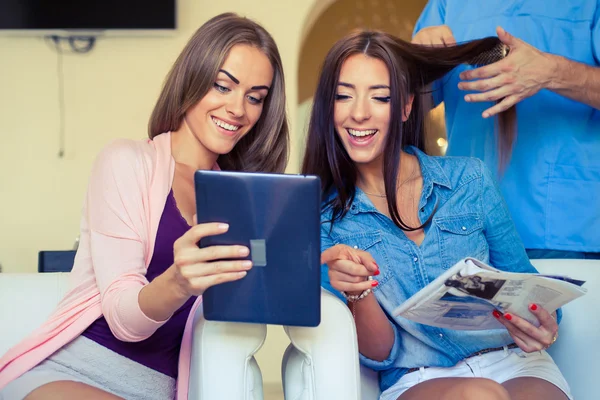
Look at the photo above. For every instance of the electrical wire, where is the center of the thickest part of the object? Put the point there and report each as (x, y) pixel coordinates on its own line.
(74, 46)
(61, 99)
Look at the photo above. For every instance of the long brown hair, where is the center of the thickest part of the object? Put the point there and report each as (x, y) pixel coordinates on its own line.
(412, 68)
(266, 147)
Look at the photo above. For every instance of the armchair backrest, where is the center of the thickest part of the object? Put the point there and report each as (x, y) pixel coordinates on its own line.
(26, 301)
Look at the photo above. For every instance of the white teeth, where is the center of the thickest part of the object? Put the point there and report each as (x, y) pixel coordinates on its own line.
(354, 132)
(225, 125)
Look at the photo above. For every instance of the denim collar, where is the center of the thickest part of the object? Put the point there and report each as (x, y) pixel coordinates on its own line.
(432, 173)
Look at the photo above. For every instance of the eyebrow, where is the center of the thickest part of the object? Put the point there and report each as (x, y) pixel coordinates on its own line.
(237, 81)
(351, 86)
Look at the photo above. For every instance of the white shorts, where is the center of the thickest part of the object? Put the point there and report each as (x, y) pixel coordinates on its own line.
(499, 366)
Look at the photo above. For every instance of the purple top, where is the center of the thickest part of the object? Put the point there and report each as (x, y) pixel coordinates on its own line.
(161, 350)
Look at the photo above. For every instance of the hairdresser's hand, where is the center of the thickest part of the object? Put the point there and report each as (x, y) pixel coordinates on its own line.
(435, 36)
(194, 269)
(524, 72)
(349, 268)
(526, 335)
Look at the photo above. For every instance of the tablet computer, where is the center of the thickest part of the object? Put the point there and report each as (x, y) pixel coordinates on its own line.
(277, 216)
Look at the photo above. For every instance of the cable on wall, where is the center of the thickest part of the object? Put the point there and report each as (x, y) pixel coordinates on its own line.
(76, 44)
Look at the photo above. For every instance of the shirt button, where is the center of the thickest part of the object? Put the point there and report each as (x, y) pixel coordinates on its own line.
(356, 247)
(464, 228)
(441, 336)
(415, 259)
(423, 209)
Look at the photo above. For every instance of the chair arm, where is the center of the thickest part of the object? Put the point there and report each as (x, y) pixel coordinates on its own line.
(322, 362)
(222, 361)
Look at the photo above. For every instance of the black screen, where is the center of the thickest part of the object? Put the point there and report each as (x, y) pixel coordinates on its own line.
(87, 14)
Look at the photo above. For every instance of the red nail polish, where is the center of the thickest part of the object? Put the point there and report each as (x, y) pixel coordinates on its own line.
(374, 283)
(508, 316)
(533, 307)
(376, 272)
(496, 314)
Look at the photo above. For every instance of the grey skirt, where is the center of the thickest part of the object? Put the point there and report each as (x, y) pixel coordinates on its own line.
(85, 361)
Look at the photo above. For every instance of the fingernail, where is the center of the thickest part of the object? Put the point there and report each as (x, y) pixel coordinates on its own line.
(508, 316)
(533, 307)
(496, 313)
(244, 251)
(467, 98)
(247, 264)
(374, 283)
(224, 226)
(485, 115)
(376, 272)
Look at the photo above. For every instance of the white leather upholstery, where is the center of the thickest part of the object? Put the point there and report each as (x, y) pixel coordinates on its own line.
(311, 372)
(320, 362)
(26, 300)
(223, 360)
(577, 351)
(222, 365)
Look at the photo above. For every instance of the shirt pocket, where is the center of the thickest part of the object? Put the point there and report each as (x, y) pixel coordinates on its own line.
(371, 242)
(461, 236)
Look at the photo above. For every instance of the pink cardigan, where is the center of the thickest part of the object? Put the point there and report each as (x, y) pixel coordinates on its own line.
(128, 188)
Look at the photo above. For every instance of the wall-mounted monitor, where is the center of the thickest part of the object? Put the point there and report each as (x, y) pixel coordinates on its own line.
(104, 17)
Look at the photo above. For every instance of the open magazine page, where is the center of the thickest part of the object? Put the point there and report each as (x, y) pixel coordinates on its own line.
(464, 297)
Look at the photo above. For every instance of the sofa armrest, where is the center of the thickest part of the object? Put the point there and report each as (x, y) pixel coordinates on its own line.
(222, 365)
(579, 328)
(323, 363)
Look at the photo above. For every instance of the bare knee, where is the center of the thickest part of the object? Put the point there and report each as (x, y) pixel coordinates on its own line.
(478, 389)
(69, 390)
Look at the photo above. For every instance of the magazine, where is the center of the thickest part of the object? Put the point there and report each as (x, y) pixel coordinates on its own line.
(465, 296)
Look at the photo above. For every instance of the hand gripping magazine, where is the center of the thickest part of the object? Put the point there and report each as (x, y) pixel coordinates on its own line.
(464, 297)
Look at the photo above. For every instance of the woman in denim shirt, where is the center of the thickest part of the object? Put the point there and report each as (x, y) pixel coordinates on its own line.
(395, 214)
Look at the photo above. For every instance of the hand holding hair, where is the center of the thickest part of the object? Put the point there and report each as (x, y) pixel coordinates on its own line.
(435, 36)
(524, 72)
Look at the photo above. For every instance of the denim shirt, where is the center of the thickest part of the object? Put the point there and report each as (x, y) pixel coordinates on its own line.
(471, 220)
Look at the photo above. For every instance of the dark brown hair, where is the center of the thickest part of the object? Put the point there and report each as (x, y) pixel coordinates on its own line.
(412, 67)
(265, 147)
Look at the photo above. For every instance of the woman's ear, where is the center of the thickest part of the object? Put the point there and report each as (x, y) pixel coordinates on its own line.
(408, 108)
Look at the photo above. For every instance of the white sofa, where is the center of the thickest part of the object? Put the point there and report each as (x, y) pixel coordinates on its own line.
(322, 363)
(222, 362)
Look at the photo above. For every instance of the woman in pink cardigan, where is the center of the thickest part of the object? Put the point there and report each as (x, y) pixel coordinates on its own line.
(124, 328)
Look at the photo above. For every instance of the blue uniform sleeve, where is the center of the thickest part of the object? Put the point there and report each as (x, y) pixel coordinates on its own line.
(506, 248)
(433, 14)
(596, 33)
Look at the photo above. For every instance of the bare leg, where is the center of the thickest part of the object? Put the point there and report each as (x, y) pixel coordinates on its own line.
(69, 390)
(533, 388)
(457, 389)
